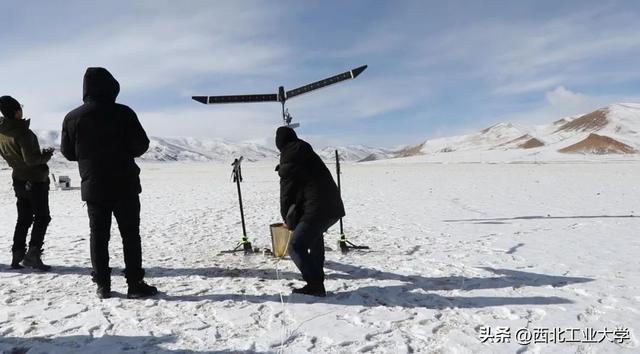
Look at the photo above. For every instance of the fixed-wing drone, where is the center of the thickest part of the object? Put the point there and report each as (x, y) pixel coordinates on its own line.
(282, 96)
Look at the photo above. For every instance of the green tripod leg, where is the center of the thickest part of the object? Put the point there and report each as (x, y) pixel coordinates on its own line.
(344, 244)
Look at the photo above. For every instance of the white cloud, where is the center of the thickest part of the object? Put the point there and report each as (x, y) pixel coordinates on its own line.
(563, 99)
(559, 103)
(515, 57)
(234, 122)
(165, 52)
(520, 87)
(358, 99)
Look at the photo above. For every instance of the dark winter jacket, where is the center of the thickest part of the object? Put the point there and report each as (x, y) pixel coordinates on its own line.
(19, 147)
(305, 181)
(104, 137)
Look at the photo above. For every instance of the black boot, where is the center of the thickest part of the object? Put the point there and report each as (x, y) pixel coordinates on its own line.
(103, 281)
(140, 289)
(104, 290)
(312, 290)
(18, 256)
(33, 259)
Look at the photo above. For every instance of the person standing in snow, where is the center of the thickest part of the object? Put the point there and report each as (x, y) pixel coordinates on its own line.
(310, 203)
(19, 147)
(105, 137)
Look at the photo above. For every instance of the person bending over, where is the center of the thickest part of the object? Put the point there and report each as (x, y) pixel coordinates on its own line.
(310, 203)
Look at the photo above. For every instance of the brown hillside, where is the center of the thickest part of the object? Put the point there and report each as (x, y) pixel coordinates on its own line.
(588, 122)
(517, 140)
(523, 142)
(600, 145)
(371, 157)
(531, 143)
(410, 151)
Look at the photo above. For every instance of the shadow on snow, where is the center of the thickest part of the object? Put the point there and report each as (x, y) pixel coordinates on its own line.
(497, 221)
(89, 344)
(407, 291)
(414, 290)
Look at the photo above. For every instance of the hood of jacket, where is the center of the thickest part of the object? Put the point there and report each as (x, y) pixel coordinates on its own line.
(13, 127)
(285, 136)
(99, 85)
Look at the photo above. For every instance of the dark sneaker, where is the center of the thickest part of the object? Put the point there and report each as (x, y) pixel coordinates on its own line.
(33, 259)
(140, 290)
(104, 291)
(17, 257)
(318, 291)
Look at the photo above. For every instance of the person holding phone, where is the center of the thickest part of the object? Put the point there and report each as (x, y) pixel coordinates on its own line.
(19, 147)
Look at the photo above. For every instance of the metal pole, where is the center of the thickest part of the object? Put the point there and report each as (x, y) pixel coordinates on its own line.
(339, 187)
(343, 243)
(244, 230)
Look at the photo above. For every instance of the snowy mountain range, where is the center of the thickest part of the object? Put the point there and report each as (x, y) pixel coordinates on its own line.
(612, 131)
(181, 149)
(355, 153)
(192, 149)
(162, 149)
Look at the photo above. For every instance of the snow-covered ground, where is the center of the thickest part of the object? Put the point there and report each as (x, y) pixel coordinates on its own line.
(455, 248)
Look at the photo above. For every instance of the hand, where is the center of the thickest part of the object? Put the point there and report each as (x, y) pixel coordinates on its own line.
(284, 224)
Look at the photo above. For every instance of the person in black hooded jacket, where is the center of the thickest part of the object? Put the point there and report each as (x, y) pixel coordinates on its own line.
(310, 203)
(105, 137)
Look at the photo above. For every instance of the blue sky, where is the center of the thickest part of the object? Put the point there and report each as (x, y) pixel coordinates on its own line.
(436, 68)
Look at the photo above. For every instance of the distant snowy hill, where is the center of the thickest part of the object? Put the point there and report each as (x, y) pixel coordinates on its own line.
(355, 153)
(192, 149)
(610, 132)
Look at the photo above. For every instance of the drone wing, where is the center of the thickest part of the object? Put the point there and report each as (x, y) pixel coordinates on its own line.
(236, 98)
(351, 74)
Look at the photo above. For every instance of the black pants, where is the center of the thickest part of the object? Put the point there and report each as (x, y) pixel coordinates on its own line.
(307, 249)
(33, 209)
(127, 213)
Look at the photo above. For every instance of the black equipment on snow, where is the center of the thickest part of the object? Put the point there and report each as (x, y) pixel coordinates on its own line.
(345, 245)
(244, 244)
(282, 96)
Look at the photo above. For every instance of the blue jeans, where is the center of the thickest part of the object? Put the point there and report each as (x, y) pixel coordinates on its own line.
(307, 249)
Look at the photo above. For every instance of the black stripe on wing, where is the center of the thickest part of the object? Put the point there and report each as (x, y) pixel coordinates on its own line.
(236, 98)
